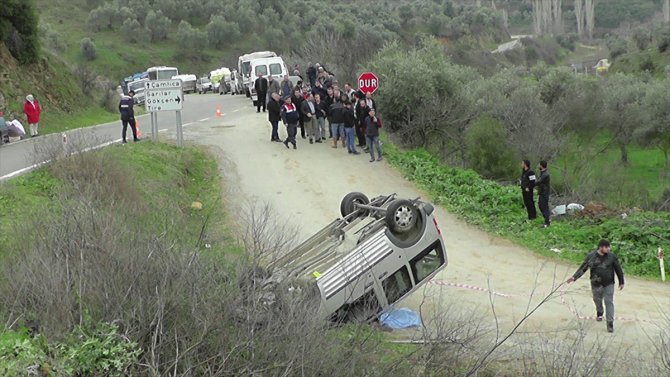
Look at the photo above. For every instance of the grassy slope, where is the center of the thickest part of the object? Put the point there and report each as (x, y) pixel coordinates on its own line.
(163, 173)
(632, 62)
(116, 57)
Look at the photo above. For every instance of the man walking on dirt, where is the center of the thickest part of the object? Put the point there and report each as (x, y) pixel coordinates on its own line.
(543, 188)
(274, 116)
(603, 264)
(527, 185)
(290, 115)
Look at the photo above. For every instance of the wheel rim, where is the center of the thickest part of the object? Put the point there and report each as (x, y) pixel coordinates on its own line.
(404, 216)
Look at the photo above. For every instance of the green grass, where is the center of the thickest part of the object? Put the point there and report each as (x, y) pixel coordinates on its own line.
(642, 177)
(169, 180)
(499, 210)
(53, 122)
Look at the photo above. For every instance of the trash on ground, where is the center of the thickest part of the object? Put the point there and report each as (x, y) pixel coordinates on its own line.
(196, 205)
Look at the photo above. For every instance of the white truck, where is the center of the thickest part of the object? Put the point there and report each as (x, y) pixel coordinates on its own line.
(274, 66)
(188, 82)
(244, 67)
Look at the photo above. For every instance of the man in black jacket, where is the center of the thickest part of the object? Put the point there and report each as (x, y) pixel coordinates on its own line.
(603, 265)
(297, 100)
(362, 112)
(527, 186)
(543, 188)
(261, 87)
(128, 115)
(274, 116)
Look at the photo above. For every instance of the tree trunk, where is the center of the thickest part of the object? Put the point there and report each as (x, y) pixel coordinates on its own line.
(666, 11)
(590, 7)
(624, 153)
(557, 17)
(505, 18)
(666, 164)
(537, 17)
(579, 15)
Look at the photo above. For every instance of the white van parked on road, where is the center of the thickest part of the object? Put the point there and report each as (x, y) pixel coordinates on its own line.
(244, 67)
(274, 66)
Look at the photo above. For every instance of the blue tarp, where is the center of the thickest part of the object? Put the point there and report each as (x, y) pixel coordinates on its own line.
(400, 318)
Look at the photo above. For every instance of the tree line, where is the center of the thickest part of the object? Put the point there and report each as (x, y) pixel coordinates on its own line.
(490, 123)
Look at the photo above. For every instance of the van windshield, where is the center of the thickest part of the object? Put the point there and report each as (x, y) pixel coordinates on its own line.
(136, 85)
(261, 69)
(246, 68)
(275, 69)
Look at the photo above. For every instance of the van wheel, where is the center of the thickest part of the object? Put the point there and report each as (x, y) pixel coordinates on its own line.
(347, 206)
(401, 216)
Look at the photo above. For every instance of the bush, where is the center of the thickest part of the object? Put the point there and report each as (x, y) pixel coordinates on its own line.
(134, 32)
(19, 30)
(488, 151)
(641, 37)
(189, 40)
(220, 31)
(88, 49)
(617, 46)
(567, 40)
(663, 41)
(157, 24)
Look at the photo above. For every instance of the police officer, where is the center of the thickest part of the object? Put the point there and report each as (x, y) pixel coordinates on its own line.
(527, 186)
(128, 115)
(543, 187)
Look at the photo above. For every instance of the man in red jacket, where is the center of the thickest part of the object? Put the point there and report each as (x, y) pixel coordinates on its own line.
(32, 110)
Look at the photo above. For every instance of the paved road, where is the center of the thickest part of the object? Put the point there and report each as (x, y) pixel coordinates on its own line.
(19, 157)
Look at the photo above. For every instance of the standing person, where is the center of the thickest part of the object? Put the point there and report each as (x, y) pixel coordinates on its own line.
(603, 265)
(370, 101)
(350, 128)
(273, 87)
(297, 99)
(311, 74)
(274, 116)
(372, 126)
(320, 118)
(290, 115)
(337, 123)
(128, 115)
(527, 186)
(349, 91)
(329, 100)
(362, 112)
(286, 87)
(543, 188)
(308, 110)
(261, 87)
(32, 110)
(318, 89)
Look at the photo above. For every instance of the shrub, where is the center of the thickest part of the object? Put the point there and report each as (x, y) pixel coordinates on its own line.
(157, 24)
(567, 40)
(220, 31)
(190, 40)
(19, 30)
(88, 49)
(617, 46)
(134, 32)
(641, 37)
(488, 151)
(664, 41)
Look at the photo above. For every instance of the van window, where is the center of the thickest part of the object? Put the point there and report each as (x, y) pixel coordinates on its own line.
(427, 262)
(275, 69)
(246, 68)
(262, 69)
(396, 285)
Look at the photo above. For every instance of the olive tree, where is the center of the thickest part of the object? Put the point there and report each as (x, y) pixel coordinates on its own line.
(157, 24)
(656, 131)
(622, 113)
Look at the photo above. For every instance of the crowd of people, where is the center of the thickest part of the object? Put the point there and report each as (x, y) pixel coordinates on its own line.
(11, 129)
(318, 107)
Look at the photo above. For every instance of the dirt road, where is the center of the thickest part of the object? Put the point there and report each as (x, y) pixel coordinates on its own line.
(305, 186)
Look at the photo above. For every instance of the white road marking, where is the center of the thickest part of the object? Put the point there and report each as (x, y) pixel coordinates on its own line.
(236, 110)
(203, 120)
(35, 166)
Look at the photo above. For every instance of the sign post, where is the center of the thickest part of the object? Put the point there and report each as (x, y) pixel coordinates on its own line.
(164, 95)
(368, 82)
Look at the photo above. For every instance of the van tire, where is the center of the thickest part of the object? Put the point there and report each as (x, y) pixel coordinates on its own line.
(401, 216)
(347, 206)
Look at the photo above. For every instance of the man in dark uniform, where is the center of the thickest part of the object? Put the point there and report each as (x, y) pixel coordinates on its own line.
(290, 115)
(603, 264)
(128, 115)
(543, 188)
(261, 87)
(274, 116)
(527, 186)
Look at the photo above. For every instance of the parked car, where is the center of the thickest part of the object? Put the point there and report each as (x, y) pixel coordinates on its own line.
(203, 85)
(188, 83)
(376, 254)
